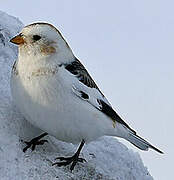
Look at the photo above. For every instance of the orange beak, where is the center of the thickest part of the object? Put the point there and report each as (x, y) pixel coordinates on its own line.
(17, 40)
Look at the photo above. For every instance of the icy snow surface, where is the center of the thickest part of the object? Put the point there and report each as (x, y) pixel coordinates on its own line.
(106, 158)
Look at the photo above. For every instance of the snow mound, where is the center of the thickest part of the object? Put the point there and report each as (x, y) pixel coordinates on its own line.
(107, 158)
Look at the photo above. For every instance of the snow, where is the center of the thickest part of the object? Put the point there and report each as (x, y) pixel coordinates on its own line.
(107, 158)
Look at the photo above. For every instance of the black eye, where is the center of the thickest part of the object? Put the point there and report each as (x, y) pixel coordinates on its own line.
(36, 37)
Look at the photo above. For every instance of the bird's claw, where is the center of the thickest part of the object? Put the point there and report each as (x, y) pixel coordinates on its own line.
(32, 144)
(68, 160)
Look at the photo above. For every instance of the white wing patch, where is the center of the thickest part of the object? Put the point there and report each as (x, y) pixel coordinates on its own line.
(86, 89)
(86, 97)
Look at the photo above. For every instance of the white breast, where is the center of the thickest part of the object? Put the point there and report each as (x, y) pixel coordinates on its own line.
(48, 103)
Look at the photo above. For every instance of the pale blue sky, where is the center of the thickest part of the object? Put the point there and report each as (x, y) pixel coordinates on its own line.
(127, 46)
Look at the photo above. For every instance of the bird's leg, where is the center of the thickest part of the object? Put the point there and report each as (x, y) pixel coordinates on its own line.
(74, 159)
(35, 141)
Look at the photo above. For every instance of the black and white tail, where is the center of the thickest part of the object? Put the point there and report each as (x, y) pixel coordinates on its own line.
(123, 130)
(140, 142)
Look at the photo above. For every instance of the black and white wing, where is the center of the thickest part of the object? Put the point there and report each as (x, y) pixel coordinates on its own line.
(82, 74)
(87, 90)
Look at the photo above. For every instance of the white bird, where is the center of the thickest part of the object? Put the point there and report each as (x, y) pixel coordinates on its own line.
(55, 93)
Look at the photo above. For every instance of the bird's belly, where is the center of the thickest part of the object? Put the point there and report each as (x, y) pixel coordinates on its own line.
(54, 109)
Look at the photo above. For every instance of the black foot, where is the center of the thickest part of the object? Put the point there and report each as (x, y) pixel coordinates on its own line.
(74, 159)
(35, 141)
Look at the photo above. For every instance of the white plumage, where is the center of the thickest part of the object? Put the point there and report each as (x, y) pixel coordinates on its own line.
(55, 92)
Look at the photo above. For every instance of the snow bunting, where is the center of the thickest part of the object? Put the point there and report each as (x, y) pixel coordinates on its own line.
(55, 93)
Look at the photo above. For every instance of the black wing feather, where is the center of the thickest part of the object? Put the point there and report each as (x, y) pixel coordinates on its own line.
(77, 69)
(105, 108)
(82, 74)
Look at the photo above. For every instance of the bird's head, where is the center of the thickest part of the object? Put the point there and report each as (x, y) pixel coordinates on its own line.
(41, 39)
